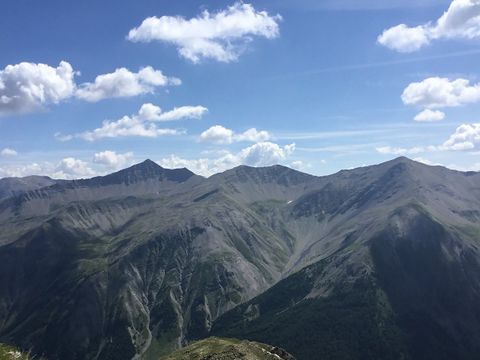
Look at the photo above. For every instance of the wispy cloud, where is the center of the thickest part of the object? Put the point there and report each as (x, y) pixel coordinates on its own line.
(357, 5)
(379, 64)
(142, 124)
(326, 134)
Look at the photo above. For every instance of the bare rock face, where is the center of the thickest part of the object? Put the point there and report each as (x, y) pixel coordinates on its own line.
(377, 262)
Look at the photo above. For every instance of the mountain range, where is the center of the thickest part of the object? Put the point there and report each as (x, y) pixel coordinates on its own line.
(378, 262)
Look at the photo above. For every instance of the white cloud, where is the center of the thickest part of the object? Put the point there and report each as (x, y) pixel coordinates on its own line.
(266, 153)
(149, 112)
(436, 92)
(23, 170)
(469, 167)
(403, 38)
(124, 83)
(261, 154)
(425, 161)
(301, 165)
(140, 125)
(465, 137)
(28, 87)
(113, 160)
(67, 168)
(219, 36)
(428, 115)
(125, 127)
(184, 112)
(220, 135)
(8, 152)
(253, 135)
(154, 113)
(400, 151)
(460, 21)
(202, 166)
(71, 168)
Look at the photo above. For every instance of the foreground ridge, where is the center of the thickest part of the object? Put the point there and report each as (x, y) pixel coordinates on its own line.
(223, 349)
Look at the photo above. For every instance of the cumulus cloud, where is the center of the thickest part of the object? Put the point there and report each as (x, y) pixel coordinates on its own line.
(219, 36)
(266, 153)
(71, 168)
(7, 152)
(436, 92)
(428, 115)
(24, 170)
(124, 83)
(253, 135)
(67, 168)
(403, 38)
(28, 87)
(465, 137)
(261, 154)
(460, 21)
(141, 124)
(220, 135)
(113, 160)
(302, 166)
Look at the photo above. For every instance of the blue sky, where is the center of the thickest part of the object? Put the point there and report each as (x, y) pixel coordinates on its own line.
(316, 85)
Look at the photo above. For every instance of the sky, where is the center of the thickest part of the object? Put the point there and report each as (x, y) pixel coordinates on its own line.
(90, 87)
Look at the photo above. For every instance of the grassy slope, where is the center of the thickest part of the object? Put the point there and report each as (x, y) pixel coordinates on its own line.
(224, 349)
(10, 353)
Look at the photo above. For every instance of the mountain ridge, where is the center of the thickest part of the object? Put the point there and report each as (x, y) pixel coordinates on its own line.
(156, 264)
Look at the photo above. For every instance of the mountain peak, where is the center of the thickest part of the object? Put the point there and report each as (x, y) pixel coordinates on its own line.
(149, 169)
(146, 166)
(269, 174)
(144, 171)
(149, 163)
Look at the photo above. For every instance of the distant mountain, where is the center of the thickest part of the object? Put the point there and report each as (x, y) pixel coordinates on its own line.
(14, 186)
(143, 172)
(379, 262)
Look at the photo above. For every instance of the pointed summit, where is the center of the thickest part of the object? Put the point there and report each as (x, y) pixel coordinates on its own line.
(146, 170)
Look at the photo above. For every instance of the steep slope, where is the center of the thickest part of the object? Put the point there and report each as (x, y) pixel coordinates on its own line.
(39, 205)
(126, 275)
(403, 282)
(143, 261)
